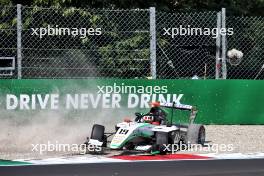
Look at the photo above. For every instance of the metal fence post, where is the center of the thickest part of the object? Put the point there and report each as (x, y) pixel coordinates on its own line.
(153, 42)
(19, 44)
(224, 69)
(218, 47)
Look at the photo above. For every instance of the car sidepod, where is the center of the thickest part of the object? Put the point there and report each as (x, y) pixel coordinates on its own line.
(128, 132)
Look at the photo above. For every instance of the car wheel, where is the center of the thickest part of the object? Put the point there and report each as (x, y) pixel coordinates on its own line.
(98, 132)
(196, 134)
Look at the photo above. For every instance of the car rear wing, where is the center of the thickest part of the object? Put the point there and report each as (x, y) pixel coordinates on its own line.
(192, 109)
(178, 106)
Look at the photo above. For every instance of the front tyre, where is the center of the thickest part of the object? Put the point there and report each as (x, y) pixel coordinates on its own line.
(98, 132)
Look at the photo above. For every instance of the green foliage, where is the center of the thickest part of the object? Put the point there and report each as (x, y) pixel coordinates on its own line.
(113, 49)
(238, 7)
(5, 2)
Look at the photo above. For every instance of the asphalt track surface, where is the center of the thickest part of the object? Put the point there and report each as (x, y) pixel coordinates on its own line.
(247, 167)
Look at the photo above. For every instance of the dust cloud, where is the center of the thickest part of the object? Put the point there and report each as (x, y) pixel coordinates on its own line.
(17, 134)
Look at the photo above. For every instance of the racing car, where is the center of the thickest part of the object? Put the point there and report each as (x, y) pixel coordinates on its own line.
(152, 131)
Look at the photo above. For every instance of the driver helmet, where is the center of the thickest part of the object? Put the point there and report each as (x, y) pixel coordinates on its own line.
(156, 111)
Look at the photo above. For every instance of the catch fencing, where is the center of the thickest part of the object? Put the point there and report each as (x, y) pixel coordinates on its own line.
(55, 43)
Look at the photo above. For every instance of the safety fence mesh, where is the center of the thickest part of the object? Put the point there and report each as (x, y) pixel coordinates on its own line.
(185, 56)
(8, 37)
(107, 43)
(92, 43)
(248, 37)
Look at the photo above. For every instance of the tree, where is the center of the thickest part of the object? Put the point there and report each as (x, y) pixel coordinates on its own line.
(237, 7)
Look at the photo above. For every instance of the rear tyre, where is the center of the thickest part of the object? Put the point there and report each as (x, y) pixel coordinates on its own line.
(195, 134)
(98, 133)
(161, 142)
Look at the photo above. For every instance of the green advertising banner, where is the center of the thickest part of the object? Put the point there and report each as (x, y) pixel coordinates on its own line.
(218, 101)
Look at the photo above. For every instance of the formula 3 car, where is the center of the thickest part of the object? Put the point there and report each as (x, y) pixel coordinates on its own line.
(151, 131)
